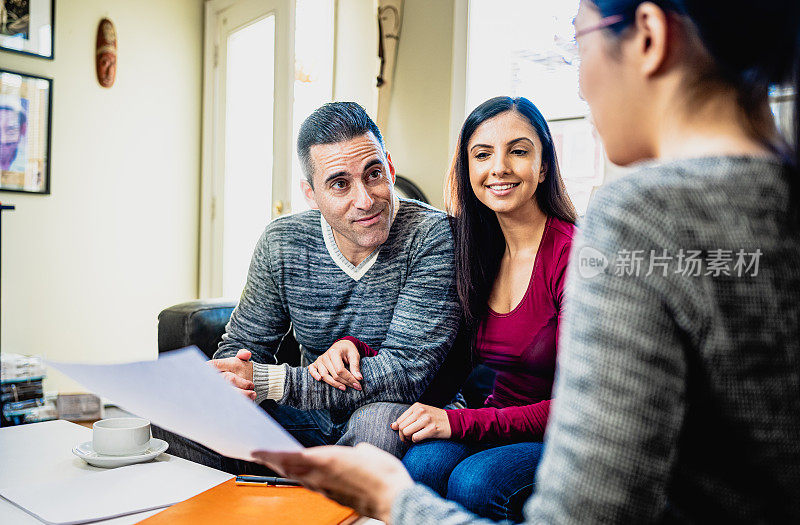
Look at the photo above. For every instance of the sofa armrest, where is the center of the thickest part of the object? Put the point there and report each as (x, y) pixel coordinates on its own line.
(202, 323)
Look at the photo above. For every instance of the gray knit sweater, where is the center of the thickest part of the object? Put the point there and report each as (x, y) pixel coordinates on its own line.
(678, 393)
(400, 300)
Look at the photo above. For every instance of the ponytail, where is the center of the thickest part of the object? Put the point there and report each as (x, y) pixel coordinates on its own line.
(753, 45)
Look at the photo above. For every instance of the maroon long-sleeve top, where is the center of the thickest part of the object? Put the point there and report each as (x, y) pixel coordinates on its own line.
(521, 346)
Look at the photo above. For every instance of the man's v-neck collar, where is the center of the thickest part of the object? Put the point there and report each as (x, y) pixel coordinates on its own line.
(354, 272)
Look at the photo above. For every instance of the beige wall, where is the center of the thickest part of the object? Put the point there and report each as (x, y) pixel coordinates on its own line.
(87, 269)
(356, 58)
(419, 116)
(417, 134)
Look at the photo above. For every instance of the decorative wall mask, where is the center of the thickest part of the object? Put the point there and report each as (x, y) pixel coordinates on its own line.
(106, 53)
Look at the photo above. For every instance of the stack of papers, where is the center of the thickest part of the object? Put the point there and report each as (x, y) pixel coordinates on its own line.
(109, 493)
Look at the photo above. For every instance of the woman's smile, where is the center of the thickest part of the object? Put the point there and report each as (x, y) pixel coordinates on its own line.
(501, 189)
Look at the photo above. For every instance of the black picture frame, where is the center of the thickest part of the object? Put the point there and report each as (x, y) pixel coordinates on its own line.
(32, 97)
(39, 18)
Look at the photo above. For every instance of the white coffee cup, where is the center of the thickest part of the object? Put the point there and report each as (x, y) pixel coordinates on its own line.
(121, 436)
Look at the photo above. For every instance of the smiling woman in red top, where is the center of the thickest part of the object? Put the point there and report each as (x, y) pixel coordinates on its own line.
(513, 231)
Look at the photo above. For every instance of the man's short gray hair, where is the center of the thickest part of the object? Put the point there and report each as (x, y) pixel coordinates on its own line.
(334, 122)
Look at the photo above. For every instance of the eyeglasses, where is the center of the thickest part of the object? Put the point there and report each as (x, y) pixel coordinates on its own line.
(602, 24)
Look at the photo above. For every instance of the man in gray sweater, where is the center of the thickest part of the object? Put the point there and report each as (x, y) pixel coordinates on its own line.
(363, 263)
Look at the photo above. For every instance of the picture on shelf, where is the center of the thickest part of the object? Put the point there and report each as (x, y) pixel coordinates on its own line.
(24, 132)
(26, 26)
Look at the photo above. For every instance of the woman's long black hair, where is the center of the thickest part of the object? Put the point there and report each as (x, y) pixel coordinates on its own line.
(479, 241)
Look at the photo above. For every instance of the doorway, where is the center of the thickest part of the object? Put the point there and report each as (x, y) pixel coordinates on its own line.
(268, 64)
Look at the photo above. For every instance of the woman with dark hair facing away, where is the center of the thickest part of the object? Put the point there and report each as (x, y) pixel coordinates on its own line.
(513, 226)
(677, 396)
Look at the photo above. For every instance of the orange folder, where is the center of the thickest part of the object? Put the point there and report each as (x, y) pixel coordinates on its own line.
(245, 504)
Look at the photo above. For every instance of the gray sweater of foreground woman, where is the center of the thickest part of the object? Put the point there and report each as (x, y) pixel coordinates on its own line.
(678, 392)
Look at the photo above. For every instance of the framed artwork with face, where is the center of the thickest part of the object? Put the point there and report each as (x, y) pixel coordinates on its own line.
(25, 110)
(26, 26)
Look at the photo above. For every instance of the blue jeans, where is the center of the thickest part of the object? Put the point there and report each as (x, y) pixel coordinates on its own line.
(491, 480)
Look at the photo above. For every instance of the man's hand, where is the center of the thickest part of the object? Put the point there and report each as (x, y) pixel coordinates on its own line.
(238, 371)
(422, 422)
(363, 477)
(330, 366)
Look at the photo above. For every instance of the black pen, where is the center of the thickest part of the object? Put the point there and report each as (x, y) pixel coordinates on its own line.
(267, 480)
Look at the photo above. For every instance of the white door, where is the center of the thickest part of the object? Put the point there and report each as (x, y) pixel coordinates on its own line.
(247, 121)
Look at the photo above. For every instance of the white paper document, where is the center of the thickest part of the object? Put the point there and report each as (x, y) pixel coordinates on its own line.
(181, 392)
(109, 493)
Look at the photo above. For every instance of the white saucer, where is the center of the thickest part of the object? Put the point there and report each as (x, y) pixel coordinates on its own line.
(87, 453)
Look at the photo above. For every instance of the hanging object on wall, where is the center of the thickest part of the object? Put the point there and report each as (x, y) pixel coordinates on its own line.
(390, 19)
(106, 53)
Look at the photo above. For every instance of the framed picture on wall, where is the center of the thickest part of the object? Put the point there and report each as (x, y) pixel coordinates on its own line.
(25, 109)
(26, 26)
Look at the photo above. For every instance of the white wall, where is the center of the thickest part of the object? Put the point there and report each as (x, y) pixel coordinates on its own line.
(87, 269)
